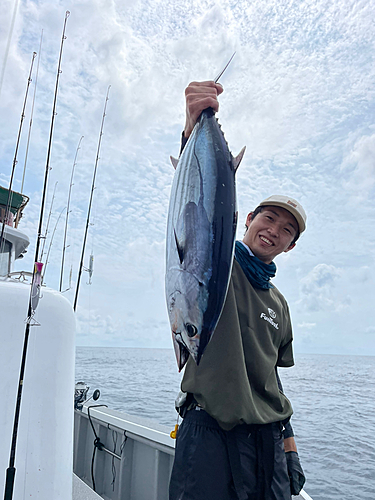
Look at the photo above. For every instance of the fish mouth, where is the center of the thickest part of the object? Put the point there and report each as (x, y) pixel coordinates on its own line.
(178, 336)
(181, 342)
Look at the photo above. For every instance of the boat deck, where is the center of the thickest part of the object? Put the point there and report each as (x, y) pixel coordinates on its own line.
(83, 492)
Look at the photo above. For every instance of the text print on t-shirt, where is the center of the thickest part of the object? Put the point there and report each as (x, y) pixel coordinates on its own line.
(272, 314)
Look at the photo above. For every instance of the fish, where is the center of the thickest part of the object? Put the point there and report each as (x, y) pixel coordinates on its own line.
(201, 228)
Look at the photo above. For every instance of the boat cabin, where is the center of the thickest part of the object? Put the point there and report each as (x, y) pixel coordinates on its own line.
(14, 243)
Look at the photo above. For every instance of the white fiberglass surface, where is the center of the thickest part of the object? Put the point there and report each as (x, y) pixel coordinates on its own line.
(45, 435)
(5, 250)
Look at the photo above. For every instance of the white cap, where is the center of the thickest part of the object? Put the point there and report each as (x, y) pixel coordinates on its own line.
(290, 204)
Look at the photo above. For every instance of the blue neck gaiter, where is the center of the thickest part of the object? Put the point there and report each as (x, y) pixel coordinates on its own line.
(256, 271)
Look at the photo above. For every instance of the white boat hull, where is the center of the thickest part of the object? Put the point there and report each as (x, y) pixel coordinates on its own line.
(45, 435)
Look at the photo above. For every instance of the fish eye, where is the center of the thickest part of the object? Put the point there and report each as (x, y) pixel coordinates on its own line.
(191, 330)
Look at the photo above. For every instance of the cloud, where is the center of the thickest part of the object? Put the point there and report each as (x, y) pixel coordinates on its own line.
(299, 94)
(305, 334)
(306, 326)
(364, 275)
(95, 327)
(358, 167)
(317, 288)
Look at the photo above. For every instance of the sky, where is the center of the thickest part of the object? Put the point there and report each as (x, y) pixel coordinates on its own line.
(299, 93)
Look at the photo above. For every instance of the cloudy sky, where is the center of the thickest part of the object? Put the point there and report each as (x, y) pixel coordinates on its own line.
(300, 94)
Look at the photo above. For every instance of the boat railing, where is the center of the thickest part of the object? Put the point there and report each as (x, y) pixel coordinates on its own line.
(121, 456)
(20, 275)
(124, 457)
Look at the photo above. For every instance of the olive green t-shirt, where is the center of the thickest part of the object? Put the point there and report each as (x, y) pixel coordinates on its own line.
(236, 381)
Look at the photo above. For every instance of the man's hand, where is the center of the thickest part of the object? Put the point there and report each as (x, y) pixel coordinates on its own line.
(295, 472)
(200, 96)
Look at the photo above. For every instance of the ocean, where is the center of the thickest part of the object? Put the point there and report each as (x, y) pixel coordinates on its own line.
(332, 396)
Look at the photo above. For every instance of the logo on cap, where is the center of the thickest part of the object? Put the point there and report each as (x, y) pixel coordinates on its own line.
(291, 203)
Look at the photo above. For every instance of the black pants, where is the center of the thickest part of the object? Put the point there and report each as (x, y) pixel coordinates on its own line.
(213, 464)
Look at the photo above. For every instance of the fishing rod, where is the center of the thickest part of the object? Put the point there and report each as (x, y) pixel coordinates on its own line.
(67, 215)
(50, 244)
(48, 220)
(225, 67)
(9, 199)
(33, 302)
(32, 113)
(8, 43)
(91, 197)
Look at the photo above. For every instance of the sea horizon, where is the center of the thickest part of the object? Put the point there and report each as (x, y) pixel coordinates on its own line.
(298, 353)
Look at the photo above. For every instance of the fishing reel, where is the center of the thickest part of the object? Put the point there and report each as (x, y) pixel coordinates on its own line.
(80, 395)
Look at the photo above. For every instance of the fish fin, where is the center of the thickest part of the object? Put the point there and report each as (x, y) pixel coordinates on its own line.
(174, 162)
(180, 250)
(237, 160)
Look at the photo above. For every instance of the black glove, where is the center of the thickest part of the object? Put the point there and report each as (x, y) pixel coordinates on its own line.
(295, 472)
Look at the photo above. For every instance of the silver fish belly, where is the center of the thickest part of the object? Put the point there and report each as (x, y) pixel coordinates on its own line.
(201, 230)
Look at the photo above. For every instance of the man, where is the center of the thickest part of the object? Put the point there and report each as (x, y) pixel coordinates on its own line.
(235, 438)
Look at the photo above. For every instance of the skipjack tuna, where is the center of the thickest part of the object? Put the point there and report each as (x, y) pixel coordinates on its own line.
(201, 230)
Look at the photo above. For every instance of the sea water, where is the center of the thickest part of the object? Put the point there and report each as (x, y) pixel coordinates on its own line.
(333, 399)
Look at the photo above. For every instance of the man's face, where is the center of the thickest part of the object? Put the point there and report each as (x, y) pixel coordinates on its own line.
(270, 233)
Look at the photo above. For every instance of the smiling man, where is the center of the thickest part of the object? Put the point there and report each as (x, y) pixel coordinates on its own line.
(276, 230)
(235, 441)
